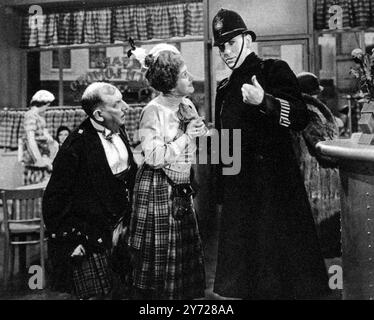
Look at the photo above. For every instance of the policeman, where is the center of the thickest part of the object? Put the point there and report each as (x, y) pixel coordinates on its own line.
(268, 247)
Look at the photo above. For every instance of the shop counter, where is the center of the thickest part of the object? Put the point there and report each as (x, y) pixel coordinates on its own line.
(356, 165)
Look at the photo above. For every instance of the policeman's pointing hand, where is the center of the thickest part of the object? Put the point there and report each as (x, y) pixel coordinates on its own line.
(253, 93)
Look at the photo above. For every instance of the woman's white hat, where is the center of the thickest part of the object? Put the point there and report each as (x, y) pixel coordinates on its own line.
(157, 49)
(42, 96)
(140, 53)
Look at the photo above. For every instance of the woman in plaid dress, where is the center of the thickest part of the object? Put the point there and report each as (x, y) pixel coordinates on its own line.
(167, 249)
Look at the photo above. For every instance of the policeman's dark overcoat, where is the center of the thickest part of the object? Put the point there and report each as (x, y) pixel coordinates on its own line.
(83, 200)
(268, 247)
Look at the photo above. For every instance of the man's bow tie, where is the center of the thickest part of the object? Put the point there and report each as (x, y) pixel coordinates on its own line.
(108, 135)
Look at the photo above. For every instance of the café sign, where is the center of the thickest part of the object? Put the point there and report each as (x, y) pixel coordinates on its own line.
(111, 68)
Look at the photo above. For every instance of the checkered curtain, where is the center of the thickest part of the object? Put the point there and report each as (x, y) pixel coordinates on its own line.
(42, 31)
(97, 26)
(70, 28)
(10, 127)
(11, 123)
(356, 13)
(132, 121)
(131, 22)
(141, 22)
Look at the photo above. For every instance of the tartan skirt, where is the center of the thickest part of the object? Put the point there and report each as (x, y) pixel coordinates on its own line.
(93, 276)
(167, 253)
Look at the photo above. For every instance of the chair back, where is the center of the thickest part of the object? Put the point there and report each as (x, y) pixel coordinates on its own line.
(22, 207)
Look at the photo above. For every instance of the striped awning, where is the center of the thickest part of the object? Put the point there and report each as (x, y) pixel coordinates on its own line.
(107, 25)
(356, 13)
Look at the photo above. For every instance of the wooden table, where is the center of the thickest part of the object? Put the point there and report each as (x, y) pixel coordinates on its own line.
(42, 184)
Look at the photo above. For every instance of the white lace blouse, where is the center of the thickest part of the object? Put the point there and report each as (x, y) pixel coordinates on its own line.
(163, 142)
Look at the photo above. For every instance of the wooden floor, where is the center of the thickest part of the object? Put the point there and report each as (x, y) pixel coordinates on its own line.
(19, 290)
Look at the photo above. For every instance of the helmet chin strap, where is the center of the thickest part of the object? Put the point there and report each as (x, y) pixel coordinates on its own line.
(237, 59)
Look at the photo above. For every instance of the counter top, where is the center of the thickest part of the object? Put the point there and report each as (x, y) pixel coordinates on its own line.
(347, 149)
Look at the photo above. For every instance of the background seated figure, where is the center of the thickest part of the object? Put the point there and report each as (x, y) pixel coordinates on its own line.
(61, 135)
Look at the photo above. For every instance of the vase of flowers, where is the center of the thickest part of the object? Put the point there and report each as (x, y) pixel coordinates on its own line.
(364, 72)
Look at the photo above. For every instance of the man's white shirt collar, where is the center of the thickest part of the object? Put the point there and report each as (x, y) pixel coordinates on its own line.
(114, 148)
(105, 131)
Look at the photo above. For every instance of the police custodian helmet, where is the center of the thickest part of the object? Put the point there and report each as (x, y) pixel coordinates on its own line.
(227, 24)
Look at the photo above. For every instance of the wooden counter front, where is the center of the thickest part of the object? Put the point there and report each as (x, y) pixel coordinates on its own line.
(356, 164)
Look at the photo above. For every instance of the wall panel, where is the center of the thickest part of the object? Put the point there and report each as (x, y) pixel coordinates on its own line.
(268, 17)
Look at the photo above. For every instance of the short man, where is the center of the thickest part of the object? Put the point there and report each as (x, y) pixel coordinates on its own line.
(268, 248)
(89, 191)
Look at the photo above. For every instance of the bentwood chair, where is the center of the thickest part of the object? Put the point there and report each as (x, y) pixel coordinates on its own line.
(22, 225)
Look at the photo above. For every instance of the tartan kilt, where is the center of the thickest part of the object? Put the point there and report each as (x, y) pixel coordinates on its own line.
(93, 276)
(167, 253)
